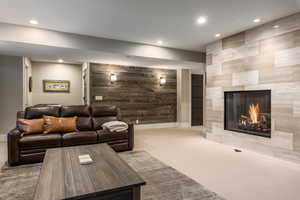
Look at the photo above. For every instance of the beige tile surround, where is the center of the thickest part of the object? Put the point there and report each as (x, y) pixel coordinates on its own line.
(260, 58)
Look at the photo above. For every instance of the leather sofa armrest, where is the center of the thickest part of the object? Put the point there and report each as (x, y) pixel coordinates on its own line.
(13, 138)
(20, 114)
(130, 136)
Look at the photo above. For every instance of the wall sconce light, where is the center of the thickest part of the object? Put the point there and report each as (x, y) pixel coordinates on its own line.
(162, 81)
(113, 77)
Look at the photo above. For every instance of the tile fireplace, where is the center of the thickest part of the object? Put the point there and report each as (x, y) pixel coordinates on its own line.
(248, 112)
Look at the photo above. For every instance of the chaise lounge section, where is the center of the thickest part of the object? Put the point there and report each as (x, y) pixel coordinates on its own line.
(31, 148)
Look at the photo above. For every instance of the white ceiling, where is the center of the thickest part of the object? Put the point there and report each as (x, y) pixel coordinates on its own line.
(52, 54)
(145, 21)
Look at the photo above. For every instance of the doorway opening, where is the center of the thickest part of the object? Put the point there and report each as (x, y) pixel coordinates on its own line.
(197, 100)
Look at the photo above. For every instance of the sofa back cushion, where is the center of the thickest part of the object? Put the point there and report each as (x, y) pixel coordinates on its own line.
(83, 114)
(39, 112)
(102, 114)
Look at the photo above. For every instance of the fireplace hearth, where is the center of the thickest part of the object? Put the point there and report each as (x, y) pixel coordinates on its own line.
(248, 112)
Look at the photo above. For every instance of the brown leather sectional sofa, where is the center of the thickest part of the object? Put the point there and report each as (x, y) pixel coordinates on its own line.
(32, 148)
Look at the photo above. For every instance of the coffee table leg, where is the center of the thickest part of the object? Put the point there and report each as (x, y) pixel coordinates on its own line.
(136, 193)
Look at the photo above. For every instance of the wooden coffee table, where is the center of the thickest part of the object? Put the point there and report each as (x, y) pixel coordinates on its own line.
(108, 177)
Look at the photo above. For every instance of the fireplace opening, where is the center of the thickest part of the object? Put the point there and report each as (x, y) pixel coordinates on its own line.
(248, 112)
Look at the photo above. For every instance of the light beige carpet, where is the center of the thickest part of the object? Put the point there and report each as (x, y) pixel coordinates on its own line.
(235, 176)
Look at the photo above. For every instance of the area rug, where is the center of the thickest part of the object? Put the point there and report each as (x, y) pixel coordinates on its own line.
(163, 182)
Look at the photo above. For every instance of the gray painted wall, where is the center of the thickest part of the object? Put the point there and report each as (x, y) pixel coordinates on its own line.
(11, 90)
(56, 71)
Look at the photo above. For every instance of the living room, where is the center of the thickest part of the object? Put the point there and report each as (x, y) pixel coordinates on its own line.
(128, 101)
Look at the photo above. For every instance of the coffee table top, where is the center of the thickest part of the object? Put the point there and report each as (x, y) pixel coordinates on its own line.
(62, 176)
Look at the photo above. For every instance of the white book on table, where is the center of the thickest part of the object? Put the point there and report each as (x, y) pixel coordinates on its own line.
(85, 159)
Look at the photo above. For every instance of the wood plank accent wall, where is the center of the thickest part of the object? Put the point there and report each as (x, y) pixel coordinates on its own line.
(137, 92)
(261, 58)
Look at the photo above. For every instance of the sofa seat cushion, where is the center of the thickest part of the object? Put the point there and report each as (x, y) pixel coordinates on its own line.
(79, 138)
(106, 136)
(40, 141)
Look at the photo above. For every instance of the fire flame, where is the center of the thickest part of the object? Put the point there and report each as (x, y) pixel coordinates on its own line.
(254, 111)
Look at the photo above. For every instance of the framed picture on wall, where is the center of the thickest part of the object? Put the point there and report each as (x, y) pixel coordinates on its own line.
(56, 86)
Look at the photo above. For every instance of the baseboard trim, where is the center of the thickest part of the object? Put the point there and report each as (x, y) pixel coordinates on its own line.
(184, 125)
(3, 138)
(157, 125)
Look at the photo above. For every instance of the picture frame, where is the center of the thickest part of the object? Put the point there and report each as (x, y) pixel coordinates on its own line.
(56, 86)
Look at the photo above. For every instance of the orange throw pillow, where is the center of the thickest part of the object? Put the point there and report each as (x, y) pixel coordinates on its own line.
(59, 125)
(31, 126)
(68, 124)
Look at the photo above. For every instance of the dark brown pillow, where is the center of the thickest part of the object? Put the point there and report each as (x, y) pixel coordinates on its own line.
(59, 124)
(30, 126)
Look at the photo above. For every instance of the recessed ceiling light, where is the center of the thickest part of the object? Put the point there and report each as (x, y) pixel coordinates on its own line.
(201, 20)
(218, 35)
(33, 21)
(159, 42)
(256, 20)
(60, 60)
(276, 26)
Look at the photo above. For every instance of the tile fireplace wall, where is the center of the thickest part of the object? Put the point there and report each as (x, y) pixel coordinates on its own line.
(258, 59)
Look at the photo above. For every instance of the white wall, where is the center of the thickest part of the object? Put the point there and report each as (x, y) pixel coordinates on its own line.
(56, 71)
(86, 83)
(11, 90)
(27, 73)
(198, 69)
(184, 98)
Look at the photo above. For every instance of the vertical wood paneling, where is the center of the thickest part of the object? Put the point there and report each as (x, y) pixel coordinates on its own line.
(137, 92)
